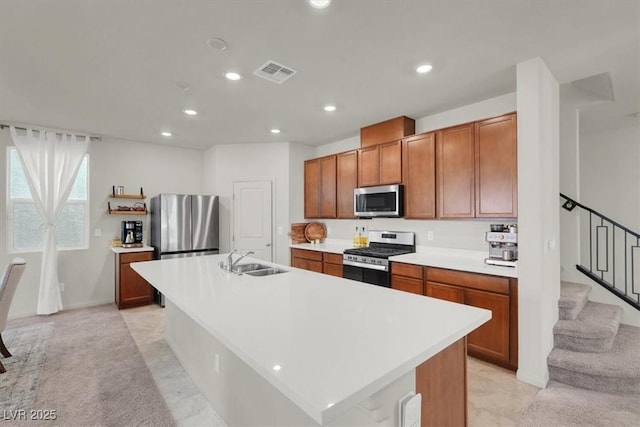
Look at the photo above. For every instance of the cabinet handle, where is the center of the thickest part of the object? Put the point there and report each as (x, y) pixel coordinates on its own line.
(268, 244)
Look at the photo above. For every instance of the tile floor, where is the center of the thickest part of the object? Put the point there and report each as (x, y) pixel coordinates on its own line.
(495, 397)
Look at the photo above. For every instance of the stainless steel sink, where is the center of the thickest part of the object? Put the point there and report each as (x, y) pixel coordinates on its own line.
(266, 271)
(243, 268)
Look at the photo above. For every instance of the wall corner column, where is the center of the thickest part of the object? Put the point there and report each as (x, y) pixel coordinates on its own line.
(538, 217)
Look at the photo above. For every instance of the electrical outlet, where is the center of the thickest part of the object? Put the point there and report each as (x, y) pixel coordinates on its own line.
(280, 230)
(97, 232)
(430, 235)
(216, 363)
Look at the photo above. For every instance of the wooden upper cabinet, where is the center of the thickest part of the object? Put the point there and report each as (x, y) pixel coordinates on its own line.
(418, 170)
(368, 166)
(347, 181)
(455, 160)
(496, 167)
(380, 164)
(320, 187)
(391, 163)
(328, 187)
(389, 130)
(312, 188)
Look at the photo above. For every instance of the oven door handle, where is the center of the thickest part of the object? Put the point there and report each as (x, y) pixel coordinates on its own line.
(364, 265)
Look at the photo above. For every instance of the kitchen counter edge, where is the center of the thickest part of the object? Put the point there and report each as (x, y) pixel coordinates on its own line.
(454, 259)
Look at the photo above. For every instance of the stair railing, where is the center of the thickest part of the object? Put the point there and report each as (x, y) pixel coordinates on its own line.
(614, 254)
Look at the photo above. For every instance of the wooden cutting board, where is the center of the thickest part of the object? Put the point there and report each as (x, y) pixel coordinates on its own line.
(297, 233)
(315, 231)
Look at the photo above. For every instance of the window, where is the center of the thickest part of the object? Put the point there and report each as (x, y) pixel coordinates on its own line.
(25, 229)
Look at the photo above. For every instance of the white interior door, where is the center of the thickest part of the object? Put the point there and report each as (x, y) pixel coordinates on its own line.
(252, 222)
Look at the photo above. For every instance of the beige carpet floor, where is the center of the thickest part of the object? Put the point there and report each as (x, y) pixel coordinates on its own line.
(560, 405)
(93, 373)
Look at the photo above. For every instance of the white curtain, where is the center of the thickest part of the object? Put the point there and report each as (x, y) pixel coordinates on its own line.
(50, 162)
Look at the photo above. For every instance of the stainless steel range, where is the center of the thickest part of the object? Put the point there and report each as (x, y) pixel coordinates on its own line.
(371, 264)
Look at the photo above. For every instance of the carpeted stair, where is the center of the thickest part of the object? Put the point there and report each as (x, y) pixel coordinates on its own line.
(592, 350)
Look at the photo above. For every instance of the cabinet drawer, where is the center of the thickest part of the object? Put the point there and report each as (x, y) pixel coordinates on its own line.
(332, 258)
(407, 284)
(135, 256)
(469, 280)
(332, 269)
(307, 264)
(408, 270)
(302, 253)
(445, 292)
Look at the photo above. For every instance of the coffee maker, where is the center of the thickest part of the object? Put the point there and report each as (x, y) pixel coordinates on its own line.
(503, 245)
(131, 234)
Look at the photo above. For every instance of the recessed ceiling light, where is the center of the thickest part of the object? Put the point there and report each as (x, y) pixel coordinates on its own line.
(319, 4)
(189, 112)
(217, 43)
(277, 367)
(166, 134)
(275, 130)
(329, 108)
(232, 76)
(424, 69)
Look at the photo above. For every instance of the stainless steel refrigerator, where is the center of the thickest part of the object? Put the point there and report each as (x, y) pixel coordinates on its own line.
(184, 225)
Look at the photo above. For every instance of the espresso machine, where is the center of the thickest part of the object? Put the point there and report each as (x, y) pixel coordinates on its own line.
(131, 234)
(503, 245)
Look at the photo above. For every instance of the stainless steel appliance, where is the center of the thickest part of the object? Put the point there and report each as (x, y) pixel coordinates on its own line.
(503, 245)
(371, 264)
(184, 225)
(131, 234)
(380, 201)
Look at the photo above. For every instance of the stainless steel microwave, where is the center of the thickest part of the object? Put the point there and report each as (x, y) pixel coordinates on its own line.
(381, 201)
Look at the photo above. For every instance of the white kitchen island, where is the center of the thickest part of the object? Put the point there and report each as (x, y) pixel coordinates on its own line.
(303, 348)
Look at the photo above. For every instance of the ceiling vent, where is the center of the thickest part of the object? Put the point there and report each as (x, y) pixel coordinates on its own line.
(274, 72)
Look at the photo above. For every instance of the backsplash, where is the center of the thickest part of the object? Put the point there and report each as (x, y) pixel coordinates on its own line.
(457, 234)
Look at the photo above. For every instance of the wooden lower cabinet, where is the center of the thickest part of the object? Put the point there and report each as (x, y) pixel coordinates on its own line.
(307, 260)
(407, 277)
(492, 338)
(320, 262)
(495, 341)
(445, 292)
(442, 381)
(131, 289)
(332, 264)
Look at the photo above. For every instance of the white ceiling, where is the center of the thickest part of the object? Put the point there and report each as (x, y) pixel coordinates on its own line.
(109, 67)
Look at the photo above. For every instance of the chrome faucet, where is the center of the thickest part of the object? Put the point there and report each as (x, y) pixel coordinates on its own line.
(230, 262)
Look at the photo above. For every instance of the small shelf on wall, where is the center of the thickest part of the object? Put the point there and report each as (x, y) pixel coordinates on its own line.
(138, 208)
(114, 195)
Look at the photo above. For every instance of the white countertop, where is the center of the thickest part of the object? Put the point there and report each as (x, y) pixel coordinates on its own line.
(336, 341)
(455, 259)
(121, 250)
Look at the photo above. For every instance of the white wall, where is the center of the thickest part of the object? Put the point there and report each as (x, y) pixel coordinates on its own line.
(227, 163)
(469, 113)
(88, 275)
(539, 222)
(462, 234)
(610, 184)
